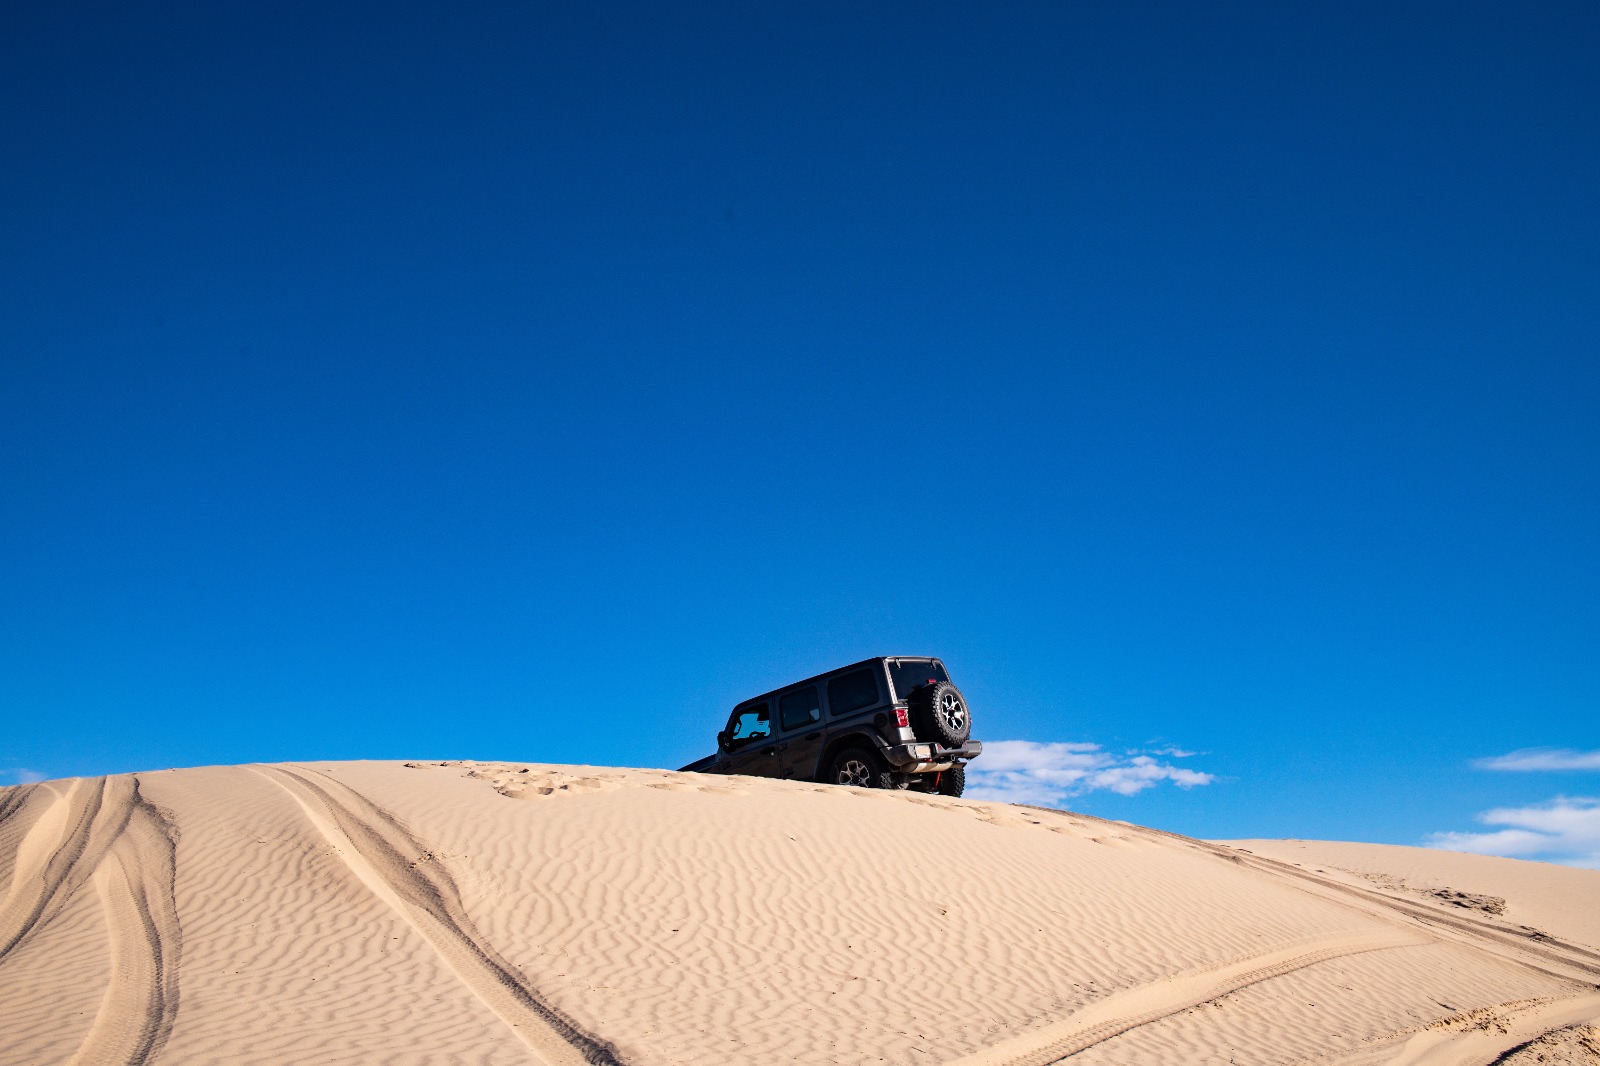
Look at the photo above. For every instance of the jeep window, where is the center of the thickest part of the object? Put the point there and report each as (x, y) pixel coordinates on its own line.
(749, 725)
(799, 708)
(911, 674)
(852, 691)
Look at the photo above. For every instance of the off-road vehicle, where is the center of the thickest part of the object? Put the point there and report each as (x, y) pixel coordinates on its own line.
(888, 722)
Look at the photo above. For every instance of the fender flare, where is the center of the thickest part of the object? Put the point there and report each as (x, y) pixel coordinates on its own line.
(843, 740)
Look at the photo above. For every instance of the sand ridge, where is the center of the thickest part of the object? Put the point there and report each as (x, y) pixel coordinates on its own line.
(454, 911)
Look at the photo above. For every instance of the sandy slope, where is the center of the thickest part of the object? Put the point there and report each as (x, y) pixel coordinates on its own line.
(1558, 900)
(380, 912)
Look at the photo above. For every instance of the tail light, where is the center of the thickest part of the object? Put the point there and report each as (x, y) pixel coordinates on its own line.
(902, 719)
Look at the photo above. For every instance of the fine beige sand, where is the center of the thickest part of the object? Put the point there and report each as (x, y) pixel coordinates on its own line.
(519, 913)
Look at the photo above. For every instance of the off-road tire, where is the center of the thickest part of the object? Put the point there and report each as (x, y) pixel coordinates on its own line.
(942, 715)
(953, 782)
(859, 767)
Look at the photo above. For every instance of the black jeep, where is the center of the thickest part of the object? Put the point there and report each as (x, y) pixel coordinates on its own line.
(889, 722)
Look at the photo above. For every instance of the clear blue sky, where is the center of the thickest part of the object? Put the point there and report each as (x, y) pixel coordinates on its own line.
(535, 381)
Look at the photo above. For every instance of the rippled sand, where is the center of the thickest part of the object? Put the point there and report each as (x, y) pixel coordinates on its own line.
(455, 912)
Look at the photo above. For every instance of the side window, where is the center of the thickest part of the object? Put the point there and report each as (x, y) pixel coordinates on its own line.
(748, 725)
(852, 691)
(799, 709)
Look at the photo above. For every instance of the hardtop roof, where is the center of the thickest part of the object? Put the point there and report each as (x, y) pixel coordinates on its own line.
(829, 673)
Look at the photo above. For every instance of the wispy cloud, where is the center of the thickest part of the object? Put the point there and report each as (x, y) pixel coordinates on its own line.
(20, 777)
(1025, 771)
(1564, 830)
(1543, 759)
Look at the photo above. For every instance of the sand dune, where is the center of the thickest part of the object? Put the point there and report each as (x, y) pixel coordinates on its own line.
(517, 913)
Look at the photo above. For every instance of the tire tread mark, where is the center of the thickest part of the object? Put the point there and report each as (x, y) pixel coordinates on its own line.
(1542, 946)
(137, 886)
(1111, 1017)
(392, 852)
(112, 835)
(155, 897)
(13, 830)
(13, 800)
(1516, 1027)
(101, 807)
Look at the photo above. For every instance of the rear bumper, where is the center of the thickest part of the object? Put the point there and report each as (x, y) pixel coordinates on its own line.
(927, 758)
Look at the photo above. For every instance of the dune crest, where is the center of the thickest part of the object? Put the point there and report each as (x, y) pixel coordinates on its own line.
(521, 913)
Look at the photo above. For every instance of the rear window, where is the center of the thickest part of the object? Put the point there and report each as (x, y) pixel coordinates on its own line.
(852, 691)
(911, 674)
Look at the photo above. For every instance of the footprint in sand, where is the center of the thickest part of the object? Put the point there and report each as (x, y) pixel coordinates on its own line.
(525, 782)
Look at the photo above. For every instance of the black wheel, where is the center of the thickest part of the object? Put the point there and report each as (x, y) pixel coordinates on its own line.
(942, 715)
(953, 781)
(859, 767)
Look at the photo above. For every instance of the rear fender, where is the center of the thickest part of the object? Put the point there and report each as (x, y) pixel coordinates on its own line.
(859, 737)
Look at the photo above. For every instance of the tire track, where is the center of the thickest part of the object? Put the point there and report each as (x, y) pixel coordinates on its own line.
(1575, 965)
(101, 829)
(96, 811)
(13, 799)
(1494, 1043)
(136, 883)
(14, 830)
(1541, 952)
(1117, 1014)
(1547, 955)
(400, 871)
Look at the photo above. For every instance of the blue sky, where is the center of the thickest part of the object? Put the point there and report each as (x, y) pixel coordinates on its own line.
(535, 381)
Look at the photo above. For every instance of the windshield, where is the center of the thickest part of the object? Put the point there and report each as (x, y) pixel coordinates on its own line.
(911, 674)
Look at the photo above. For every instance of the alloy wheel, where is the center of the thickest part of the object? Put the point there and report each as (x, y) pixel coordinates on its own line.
(953, 711)
(855, 772)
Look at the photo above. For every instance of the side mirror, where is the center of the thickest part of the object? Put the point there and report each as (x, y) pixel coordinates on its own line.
(722, 740)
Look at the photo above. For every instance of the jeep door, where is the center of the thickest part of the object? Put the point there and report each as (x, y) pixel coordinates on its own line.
(800, 718)
(750, 747)
(852, 697)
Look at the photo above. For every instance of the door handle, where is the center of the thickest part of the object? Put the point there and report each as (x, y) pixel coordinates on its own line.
(813, 736)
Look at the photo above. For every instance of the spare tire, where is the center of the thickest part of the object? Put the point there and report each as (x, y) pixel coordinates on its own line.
(942, 715)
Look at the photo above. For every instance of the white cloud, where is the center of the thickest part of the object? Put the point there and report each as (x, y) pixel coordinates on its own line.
(1565, 830)
(1025, 771)
(22, 777)
(1543, 759)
